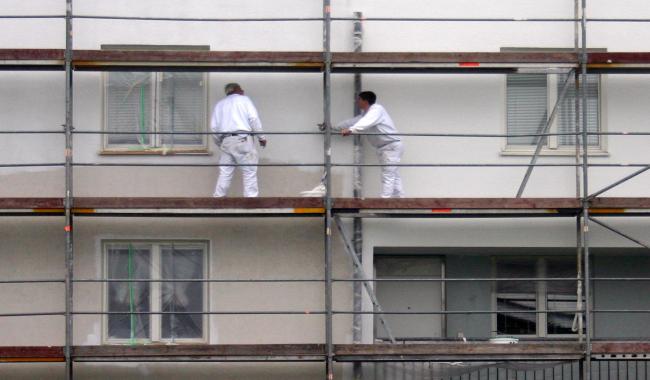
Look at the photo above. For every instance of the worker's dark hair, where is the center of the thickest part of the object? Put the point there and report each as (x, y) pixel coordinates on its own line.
(368, 96)
(231, 88)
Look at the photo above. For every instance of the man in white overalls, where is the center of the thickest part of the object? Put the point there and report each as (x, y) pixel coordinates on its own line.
(376, 121)
(233, 118)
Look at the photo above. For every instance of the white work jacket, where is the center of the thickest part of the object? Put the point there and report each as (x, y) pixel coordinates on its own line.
(375, 120)
(235, 113)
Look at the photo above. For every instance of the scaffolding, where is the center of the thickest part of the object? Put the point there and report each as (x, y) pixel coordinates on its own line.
(580, 62)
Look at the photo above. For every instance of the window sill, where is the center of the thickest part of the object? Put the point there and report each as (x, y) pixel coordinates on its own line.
(157, 343)
(155, 152)
(598, 152)
(534, 337)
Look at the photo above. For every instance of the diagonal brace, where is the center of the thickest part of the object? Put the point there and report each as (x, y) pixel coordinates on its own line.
(366, 282)
(620, 181)
(544, 130)
(614, 230)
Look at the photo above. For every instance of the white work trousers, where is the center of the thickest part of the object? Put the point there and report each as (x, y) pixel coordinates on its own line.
(237, 150)
(391, 182)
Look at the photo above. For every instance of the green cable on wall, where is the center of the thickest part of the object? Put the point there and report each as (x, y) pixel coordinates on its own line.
(142, 115)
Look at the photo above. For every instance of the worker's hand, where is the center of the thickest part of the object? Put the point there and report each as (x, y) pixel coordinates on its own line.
(346, 132)
(263, 143)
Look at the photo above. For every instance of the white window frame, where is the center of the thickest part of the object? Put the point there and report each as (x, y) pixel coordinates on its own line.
(155, 293)
(552, 148)
(541, 298)
(156, 147)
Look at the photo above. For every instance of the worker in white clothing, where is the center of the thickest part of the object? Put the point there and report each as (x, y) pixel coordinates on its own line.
(233, 118)
(375, 120)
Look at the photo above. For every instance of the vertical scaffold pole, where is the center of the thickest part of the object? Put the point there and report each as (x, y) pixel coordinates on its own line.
(327, 115)
(576, 142)
(576, 98)
(585, 191)
(69, 253)
(357, 236)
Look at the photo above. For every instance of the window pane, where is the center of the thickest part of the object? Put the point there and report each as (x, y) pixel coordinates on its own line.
(126, 261)
(128, 107)
(567, 111)
(182, 107)
(409, 296)
(561, 295)
(514, 298)
(526, 106)
(182, 262)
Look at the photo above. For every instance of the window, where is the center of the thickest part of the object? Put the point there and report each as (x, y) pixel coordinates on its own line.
(412, 296)
(561, 296)
(514, 298)
(517, 301)
(147, 104)
(155, 261)
(530, 99)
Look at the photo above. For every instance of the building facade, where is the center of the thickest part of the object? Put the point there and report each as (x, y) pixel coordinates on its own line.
(466, 277)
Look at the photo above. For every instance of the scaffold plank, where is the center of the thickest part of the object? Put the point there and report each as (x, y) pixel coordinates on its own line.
(619, 62)
(456, 57)
(31, 59)
(31, 354)
(312, 61)
(537, 350)
(620, 203)
(189, 203)
(470, 351)
(621, 347)
(197, 60)
(442, 204)
(310, 206)
(226, 350)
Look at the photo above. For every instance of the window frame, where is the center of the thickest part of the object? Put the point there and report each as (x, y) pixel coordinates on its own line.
(157, 148)
(553, 148)
(155, 323)
(541, 299)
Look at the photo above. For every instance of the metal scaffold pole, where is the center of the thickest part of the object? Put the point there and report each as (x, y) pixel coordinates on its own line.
(576, 98)
(357, 193)
(585, 192)
(579, 318)
(327, 120)
(69, 253)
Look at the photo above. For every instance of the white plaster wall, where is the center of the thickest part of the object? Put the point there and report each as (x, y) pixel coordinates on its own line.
(32, 248)
(306, 35)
